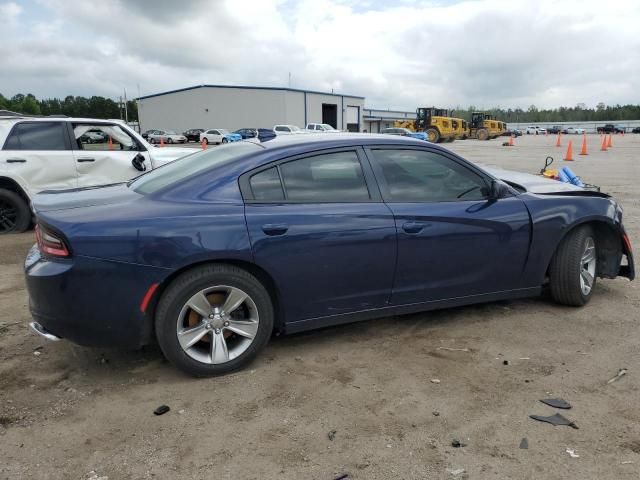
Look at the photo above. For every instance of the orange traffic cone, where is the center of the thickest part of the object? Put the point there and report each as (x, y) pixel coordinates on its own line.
(583, 151)
(603, 148)
(609, 143)
(558, 144)
(569, 156)
(204, 144)
(110, 143)
(511, 140)
(161, 142)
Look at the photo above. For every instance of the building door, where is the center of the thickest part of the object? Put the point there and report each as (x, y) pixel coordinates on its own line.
(353, 118)
(330, 114)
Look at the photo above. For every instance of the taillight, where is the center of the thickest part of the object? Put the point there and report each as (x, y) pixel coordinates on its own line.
(50, 243)
(627, 242)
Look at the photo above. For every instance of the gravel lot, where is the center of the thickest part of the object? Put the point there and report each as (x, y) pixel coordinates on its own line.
(68, 412)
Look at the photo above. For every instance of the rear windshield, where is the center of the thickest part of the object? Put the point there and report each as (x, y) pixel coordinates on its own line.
(190, 165)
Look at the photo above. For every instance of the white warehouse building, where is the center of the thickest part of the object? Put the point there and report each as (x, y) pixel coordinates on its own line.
(234, 107)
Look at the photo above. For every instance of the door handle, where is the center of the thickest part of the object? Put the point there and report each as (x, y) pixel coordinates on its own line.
(81, 160)
(16, 160)
(413, 227)
(275, 228)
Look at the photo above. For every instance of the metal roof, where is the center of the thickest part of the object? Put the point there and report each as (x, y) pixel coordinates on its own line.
(247, 87)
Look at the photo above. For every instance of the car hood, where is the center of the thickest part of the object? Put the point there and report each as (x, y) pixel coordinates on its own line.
(162, 155)
(533, 183)
(52, 200)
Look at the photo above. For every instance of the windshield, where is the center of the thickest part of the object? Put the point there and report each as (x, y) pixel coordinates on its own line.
(294, 128)
(190, 165)
(326, 126)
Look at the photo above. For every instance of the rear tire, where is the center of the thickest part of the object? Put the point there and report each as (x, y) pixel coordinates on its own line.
(433, 135)
(483, 134)
(572, 273)
(195, 359)
(224, 140)
(15, 216)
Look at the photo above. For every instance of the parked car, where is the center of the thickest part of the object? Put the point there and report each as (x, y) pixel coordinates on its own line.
(555, 129)
(287, 129)
(573, 131)
(533, 130)
(405, 132)
(542, 131)
(321, 128)
(146, 134)
(193, 135)
(52, 153)
(512, 132)
(212, 254)
(257, 134)
(610, 128)
(636, 130)
(166, 136)
(218, 136)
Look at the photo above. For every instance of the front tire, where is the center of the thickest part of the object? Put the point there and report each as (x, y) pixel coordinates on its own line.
(433, 135)
(213, 320)
(572, 273)
(224, 140)
(15, 216)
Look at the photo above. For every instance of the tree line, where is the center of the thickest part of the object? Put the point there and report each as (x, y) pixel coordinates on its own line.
(579, 113)
(94, 107)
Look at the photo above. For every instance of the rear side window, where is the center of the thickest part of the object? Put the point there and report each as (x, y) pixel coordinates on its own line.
(266, 185)
(332, 177)
(37, 136)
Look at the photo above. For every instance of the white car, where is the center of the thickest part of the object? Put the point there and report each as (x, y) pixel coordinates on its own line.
(167, 136)
(287, 130)
(574, 130)
(535, 130)
(219, 135)
(321, 128)
(49, 153)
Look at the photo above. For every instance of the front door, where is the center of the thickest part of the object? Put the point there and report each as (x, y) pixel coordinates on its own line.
(318, 226)
(452, 240)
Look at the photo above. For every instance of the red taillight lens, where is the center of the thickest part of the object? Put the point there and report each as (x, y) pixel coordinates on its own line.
(50, 244)
(627, 242)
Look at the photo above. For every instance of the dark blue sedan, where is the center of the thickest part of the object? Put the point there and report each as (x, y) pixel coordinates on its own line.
(213, 253)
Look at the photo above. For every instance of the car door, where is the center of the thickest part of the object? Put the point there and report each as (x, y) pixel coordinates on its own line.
(318, 226)
(38, 156)
(453, 241)
(107, 161)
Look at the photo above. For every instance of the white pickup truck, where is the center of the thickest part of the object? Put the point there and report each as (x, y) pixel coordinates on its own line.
(59, 153)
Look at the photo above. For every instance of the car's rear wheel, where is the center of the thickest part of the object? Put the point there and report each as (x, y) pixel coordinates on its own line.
(572, 273)
(213, 320)
(224, 140)
(169, 140)
(15, 216)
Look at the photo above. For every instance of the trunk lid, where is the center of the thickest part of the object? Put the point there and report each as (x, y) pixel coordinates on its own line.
(52, 200)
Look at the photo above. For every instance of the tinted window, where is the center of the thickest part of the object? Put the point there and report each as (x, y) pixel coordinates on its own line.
(190, 165)
(333, 177)
(266, 185)
(37, 136)
(420, 176)
(103, 137)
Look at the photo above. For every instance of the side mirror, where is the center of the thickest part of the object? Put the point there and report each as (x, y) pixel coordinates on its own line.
(138, 163)
(497, 190)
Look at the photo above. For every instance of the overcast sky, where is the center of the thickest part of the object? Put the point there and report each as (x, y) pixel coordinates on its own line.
(398, 54)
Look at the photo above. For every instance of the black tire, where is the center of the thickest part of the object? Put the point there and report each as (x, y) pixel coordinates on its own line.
(482, 134)
(565, 268)
(224, 140)
(169, 140)
(15, 216)
(189, 283)
(433, 135)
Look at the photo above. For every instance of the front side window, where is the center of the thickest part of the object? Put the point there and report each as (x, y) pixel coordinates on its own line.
(331, 177)
(37, 136)
(103, 137)
(422, 176)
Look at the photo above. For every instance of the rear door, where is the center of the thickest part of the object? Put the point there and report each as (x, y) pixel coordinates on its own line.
(318, 226)
(38, 156)
(105, 161)
(452, 240)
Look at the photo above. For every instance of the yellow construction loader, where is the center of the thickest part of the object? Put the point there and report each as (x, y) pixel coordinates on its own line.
(484, 126)
(435, 122)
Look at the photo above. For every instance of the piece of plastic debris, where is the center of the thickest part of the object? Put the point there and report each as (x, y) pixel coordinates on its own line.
(524, 444)
(524, 358)
(455, 443)
(455, 472)
(572, 453)
(621, 373)
(180, 412)
(505, 362)
(161, 410)
(342, 476)
(454, 349)
(332, 435)
(37, 353)
(435, 380)
(436, 413)
(627, 462)
(389, 445)
(554, 420)
(556, 403)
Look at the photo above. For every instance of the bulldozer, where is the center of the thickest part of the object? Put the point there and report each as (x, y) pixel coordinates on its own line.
(435, 122)
(484, 126)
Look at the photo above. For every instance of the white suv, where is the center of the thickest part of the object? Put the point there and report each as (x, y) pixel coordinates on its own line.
(49, 153)
(321, 128)
(287, 130)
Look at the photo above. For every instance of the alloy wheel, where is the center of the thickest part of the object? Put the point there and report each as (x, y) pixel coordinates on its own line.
(217, 324)
(588, 266)
(8, 216)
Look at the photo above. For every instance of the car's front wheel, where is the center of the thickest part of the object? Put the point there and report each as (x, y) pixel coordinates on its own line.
(213, 320)
(224, 140)
(572, 273)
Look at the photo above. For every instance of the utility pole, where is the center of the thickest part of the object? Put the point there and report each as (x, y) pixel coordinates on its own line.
(126, 111)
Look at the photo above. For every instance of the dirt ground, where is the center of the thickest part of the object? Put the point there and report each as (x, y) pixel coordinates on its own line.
(68, 412)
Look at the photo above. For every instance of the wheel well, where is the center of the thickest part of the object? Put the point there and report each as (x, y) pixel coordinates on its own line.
(609, 247)
(10, 184)
(252, 268)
